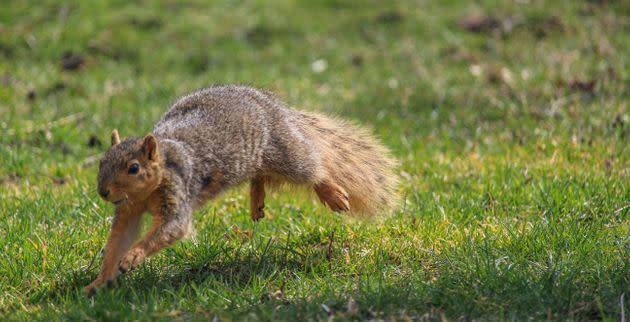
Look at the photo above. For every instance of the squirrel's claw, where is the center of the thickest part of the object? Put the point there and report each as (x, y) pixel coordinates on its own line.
(258, 213)
(339, 204)
(89, 290)
(333, 196)
(93, 287)
(133, 258)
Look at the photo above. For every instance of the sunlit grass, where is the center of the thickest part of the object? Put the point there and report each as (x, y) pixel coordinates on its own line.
(512, 141)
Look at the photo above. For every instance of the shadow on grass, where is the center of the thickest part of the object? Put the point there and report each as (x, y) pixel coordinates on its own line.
(525, 276)
(234, 265)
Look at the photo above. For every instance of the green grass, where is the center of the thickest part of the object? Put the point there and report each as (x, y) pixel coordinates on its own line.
(513, 144)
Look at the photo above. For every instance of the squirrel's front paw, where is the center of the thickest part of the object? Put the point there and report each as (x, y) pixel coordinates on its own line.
(90, 290)
(133, 258)
(97, 284)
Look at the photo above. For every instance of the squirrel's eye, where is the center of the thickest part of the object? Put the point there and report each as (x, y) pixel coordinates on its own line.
(134, 168)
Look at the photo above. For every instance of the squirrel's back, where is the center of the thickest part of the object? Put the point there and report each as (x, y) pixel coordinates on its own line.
(246, 133)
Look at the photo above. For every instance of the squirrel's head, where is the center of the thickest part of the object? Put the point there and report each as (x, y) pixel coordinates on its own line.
(129, 170)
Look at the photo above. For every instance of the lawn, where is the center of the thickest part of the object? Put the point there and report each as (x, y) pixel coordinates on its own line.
(510, 122)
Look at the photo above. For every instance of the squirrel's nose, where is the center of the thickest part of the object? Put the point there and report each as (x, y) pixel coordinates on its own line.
(104, 192)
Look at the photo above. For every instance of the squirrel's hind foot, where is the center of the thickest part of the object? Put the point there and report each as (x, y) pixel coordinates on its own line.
(333, 196)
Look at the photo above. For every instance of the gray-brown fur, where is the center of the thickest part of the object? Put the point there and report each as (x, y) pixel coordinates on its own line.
(219, 137)
(240, 132)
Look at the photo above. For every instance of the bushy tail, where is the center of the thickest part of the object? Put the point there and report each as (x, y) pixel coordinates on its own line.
(353, 159)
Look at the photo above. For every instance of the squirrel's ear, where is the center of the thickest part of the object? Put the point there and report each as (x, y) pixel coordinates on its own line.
(115, 137)
(150, 147)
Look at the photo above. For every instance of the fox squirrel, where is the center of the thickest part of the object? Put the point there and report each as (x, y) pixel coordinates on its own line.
(219, 137)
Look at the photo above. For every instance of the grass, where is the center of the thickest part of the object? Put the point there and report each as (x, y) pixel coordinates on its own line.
(510, 120)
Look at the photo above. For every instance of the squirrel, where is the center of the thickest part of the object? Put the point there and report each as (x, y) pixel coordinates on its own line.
(219, 137)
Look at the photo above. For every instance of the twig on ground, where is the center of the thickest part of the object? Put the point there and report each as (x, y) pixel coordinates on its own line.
(329, 252)
(91, 160)
(48, 125)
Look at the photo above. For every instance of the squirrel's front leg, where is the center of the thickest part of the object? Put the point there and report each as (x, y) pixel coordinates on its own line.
(169, 225)
(124, 231)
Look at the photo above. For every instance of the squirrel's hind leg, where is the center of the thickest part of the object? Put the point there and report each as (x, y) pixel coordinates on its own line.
(333, 195)
(257, 202)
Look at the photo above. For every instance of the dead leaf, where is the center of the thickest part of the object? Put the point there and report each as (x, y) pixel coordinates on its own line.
(608, 165)
(583, 86)
(478, 23)
(31, 95)
(279, 294)
(11, 178)
(237, 232)
(59, 181)
(147, 23)
(71, 61)
(389, 17)
(56, 88)
(94, 141)
(356, 60)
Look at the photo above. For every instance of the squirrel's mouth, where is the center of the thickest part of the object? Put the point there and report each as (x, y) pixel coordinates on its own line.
(118, 202)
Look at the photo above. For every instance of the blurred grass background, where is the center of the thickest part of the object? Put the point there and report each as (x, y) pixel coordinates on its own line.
(509, 117)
